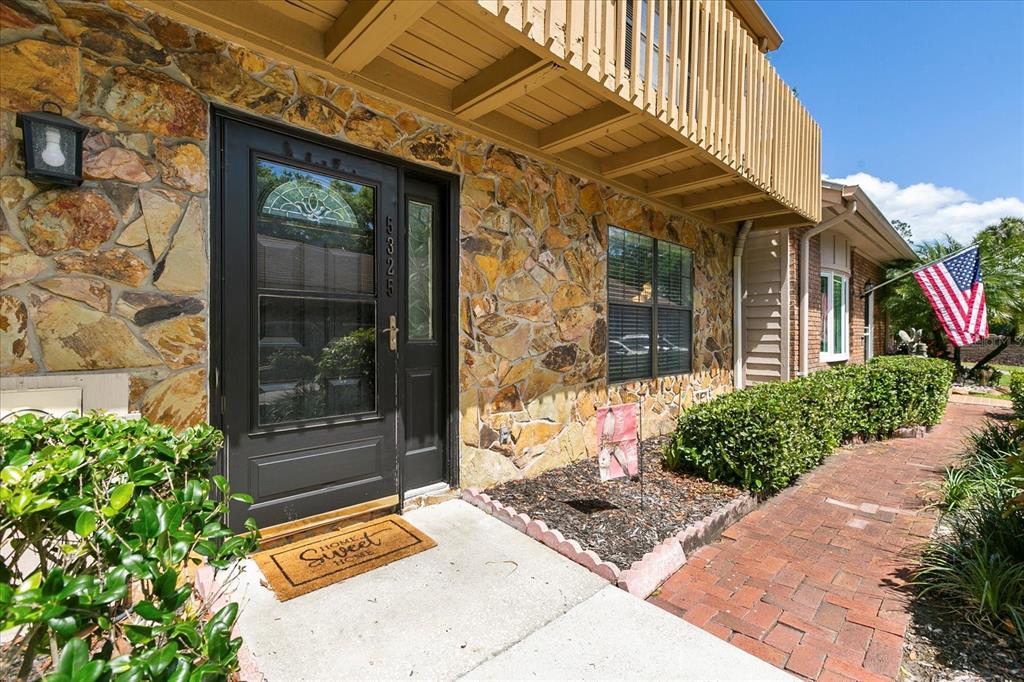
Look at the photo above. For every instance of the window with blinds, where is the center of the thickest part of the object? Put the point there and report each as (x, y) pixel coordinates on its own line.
(650, 306)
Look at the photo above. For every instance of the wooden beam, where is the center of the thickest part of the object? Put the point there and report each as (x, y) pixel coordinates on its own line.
(691, 178)
(720, 196)
(644, 156)
(366, 27)
(505, 80)
(757, 209)
(601, 121)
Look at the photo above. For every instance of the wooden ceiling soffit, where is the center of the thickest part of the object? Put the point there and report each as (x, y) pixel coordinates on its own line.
(365, 29)
(720, 196)
(250, 24)
(645, 156)
(691, 178)
(505, 80)
(586, 126)
(757, 209)
(780, 221)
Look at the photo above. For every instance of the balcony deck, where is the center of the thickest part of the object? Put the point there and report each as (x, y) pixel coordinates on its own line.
(714, 132)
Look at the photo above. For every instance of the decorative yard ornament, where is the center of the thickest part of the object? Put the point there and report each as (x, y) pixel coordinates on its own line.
(52, 145)
(911, 344)
(617, 436)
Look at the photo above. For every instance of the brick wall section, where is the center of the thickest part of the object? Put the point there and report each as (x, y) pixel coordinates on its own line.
(864, 271)
(794, 300)
(814, 308)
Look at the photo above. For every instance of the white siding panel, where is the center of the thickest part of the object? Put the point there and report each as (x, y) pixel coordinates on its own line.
(763, 310)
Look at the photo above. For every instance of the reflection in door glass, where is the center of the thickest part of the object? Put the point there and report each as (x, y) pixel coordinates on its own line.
(315, 232)
(421, 285)
(317, 358)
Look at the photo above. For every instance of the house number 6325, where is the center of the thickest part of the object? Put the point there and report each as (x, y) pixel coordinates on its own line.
(389, 260)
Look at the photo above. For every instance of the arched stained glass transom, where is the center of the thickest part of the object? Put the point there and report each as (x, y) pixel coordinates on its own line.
(309, 202)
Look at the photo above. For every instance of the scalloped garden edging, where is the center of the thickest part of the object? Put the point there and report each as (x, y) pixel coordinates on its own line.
(643, 576)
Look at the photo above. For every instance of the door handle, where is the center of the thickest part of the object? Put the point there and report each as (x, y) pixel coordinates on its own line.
(392, 330)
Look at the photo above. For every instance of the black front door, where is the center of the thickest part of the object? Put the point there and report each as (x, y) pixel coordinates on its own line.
(310, 307)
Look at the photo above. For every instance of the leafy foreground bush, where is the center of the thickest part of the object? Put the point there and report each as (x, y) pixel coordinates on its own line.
(976, 566)
(763, 437)
(1017, 392)
(99, 519)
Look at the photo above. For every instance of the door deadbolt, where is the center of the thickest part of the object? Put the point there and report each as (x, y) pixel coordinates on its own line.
(392, 330)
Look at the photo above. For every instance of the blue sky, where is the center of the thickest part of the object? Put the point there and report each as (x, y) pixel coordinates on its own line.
(920, 102)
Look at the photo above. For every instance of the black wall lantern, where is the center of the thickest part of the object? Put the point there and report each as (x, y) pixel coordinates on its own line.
(52, 146)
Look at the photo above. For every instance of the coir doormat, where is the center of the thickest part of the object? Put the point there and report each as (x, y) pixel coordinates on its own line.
(312, 563)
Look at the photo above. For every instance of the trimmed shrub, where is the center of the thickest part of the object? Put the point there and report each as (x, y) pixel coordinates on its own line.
(763, 437)
(1017, 392)
(101, 517)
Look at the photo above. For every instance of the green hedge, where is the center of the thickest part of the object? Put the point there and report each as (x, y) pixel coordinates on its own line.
(763, 437)
(1017, 391)
(100, 518)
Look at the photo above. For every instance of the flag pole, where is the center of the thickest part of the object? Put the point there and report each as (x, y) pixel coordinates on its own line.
(876, 287)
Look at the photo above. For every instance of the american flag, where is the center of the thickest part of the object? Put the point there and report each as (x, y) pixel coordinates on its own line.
(953, 287)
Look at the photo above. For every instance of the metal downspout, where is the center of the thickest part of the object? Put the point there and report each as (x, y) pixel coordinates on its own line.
(737, 303)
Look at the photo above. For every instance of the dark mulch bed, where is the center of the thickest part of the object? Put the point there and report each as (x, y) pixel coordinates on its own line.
(606, 517)
(942, 646)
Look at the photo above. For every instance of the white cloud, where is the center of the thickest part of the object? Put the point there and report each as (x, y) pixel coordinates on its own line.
(934, 211)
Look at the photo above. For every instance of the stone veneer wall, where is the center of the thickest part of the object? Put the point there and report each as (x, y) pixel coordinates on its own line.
(114, 275)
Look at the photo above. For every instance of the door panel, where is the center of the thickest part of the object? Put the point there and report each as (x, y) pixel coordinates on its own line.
(423, 348)
(309, 283)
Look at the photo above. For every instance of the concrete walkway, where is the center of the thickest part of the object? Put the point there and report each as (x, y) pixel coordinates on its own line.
(486, 603)
(813, 580)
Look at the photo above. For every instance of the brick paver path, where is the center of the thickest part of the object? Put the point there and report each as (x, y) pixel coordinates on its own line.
(812, 581)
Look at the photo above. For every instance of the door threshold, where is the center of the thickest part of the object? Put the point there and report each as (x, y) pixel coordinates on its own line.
(290, 531)
(428, 494)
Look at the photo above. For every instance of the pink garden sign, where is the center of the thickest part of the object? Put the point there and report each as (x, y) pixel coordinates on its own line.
(617, 439)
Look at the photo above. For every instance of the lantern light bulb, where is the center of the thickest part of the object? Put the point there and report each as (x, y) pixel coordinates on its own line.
(52, 155)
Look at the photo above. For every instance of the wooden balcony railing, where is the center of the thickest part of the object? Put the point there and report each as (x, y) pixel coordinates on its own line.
(691, 64)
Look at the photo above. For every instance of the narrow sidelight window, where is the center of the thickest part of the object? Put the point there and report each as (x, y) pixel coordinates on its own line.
(650, 306)
(835, 317)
